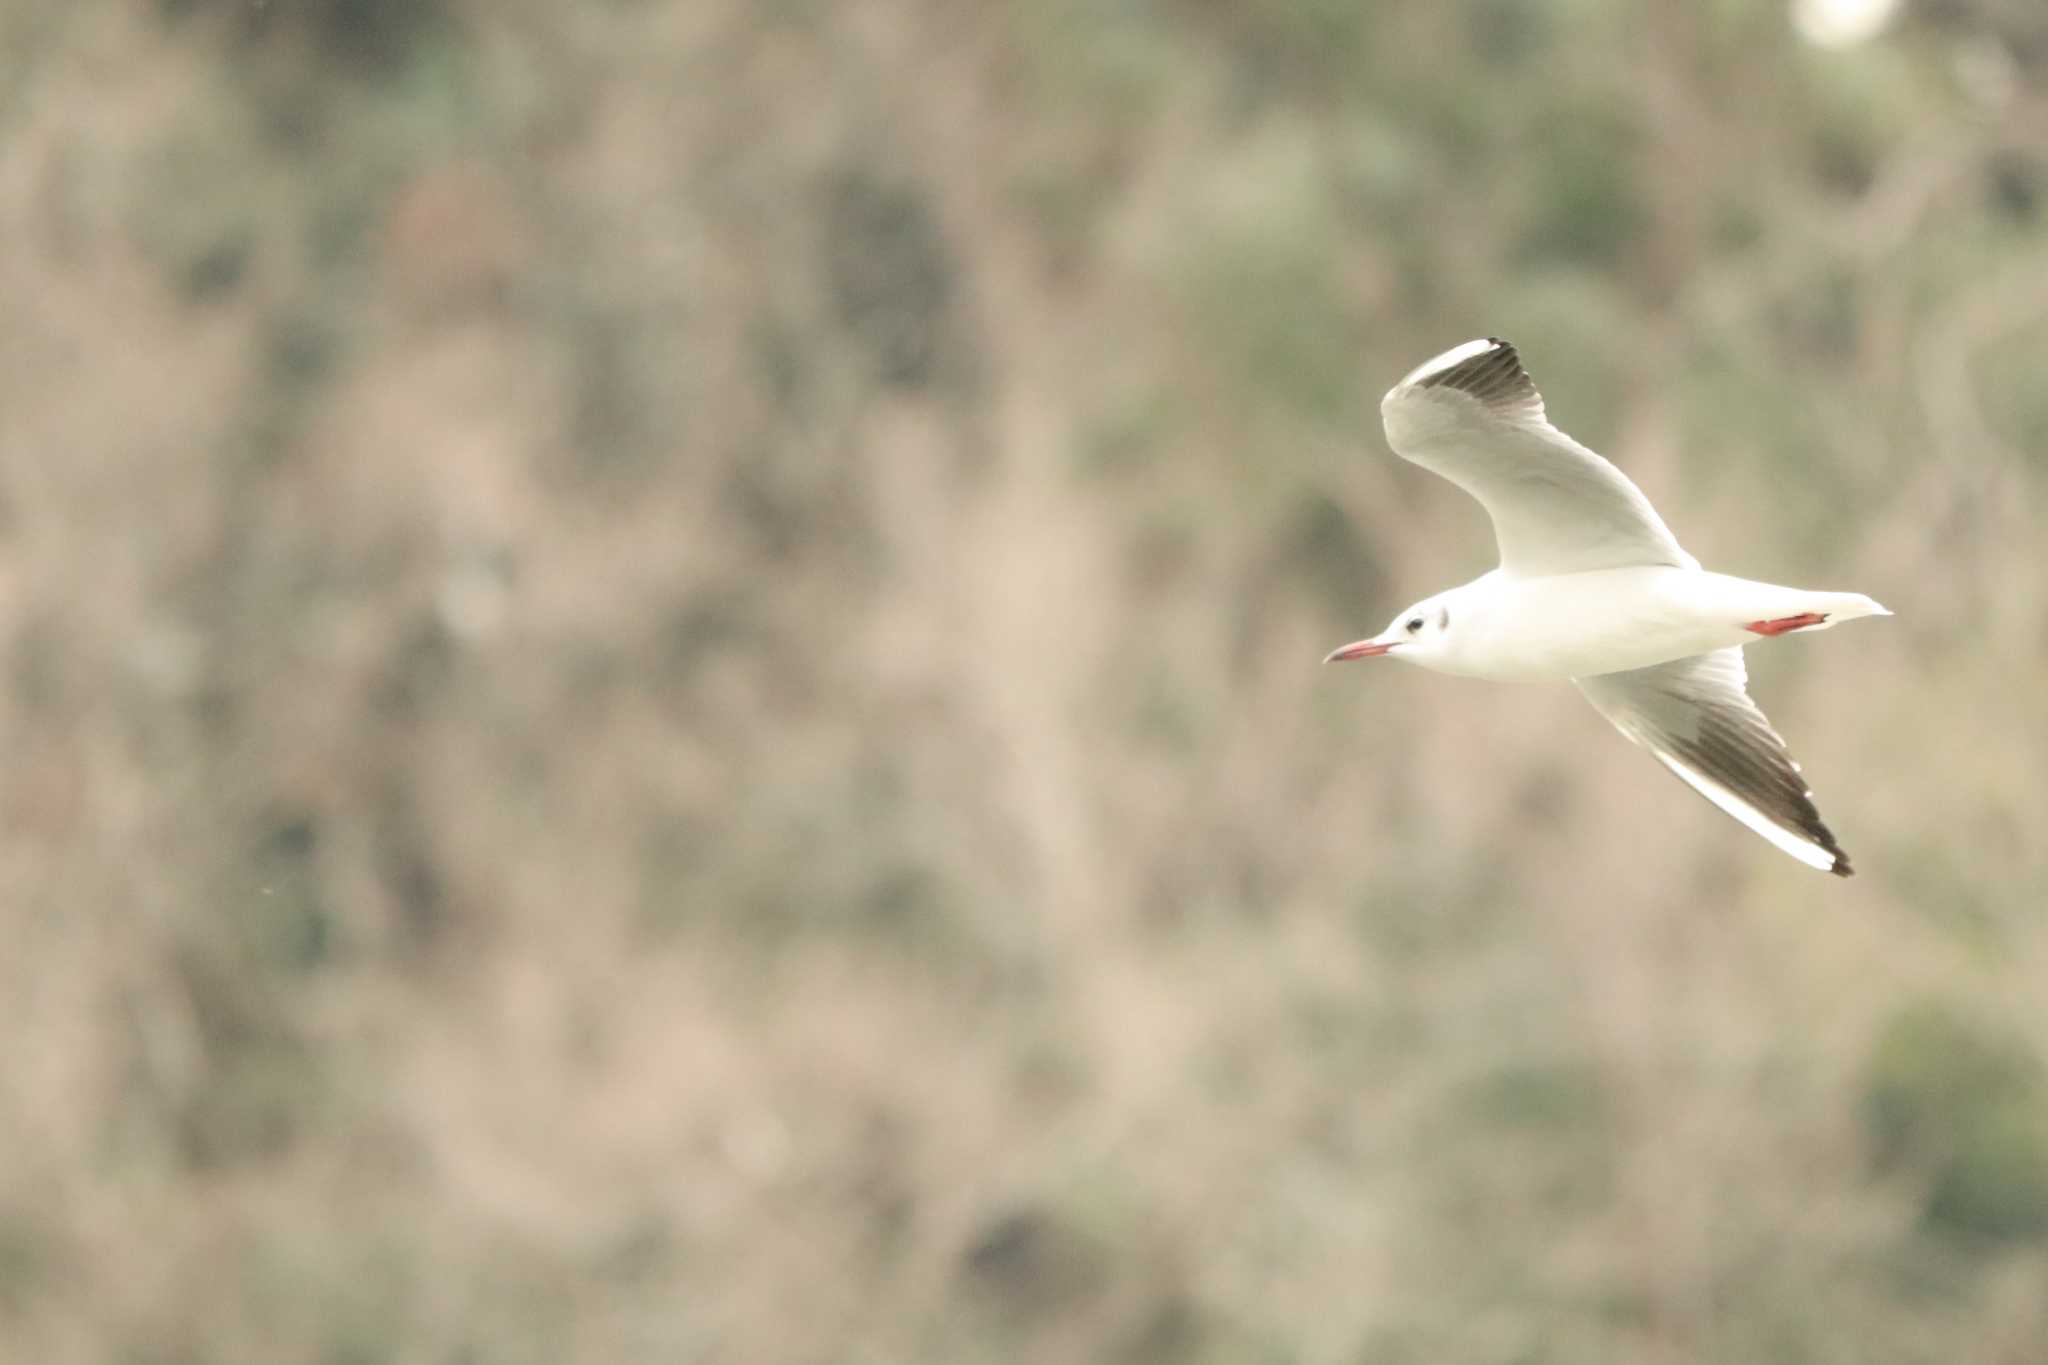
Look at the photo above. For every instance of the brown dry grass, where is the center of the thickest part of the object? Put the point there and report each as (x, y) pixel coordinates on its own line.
(661, 697)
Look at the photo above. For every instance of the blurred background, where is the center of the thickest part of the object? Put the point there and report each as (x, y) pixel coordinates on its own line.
(661, 693)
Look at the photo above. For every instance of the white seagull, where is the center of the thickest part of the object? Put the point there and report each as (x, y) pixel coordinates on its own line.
(1592, 586)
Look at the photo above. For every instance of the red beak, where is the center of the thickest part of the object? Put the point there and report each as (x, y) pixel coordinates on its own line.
(1363, 649)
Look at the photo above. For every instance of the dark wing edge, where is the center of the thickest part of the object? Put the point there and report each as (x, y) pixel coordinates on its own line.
(1493, 375)
(1695, 717)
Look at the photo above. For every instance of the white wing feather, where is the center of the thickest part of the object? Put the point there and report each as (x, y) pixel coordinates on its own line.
(1474, 416)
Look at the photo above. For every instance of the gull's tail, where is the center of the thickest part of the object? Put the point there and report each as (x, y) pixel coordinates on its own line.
(1845, 606)
(1810, 610)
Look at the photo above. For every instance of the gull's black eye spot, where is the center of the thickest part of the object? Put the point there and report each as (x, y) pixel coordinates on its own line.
(1414, 624)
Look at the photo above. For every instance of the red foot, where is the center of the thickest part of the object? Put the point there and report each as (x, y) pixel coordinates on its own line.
(1785, 623)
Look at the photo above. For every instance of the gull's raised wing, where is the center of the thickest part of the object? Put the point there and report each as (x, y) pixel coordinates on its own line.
(1695, 715)
(1474, 416)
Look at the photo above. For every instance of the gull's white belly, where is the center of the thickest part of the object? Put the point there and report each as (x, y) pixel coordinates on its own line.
(1608, 620)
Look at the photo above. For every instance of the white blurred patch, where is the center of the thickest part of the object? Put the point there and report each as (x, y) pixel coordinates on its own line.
(474, 597)
(1841, 23)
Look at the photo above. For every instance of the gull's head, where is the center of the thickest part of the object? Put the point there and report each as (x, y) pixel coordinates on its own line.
(1421, 635)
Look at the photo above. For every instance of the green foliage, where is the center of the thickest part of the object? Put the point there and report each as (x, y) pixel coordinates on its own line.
(1963, 1108)
(888, 273)
(1587, 205)
(1323, 549)
(1254, 275)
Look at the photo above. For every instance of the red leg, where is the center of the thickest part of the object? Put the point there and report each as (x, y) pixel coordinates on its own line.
(1785, 623)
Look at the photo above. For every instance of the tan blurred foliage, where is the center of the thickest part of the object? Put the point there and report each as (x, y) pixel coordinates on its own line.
(660, 692)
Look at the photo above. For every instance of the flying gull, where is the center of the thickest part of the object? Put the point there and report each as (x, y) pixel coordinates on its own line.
(1592, 586)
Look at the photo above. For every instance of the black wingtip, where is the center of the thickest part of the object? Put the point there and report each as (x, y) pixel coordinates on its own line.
(1493, 376)
(1825, 837)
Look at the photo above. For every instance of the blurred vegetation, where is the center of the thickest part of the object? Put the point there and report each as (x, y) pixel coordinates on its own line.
(1966, 1108)
(660, 692)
